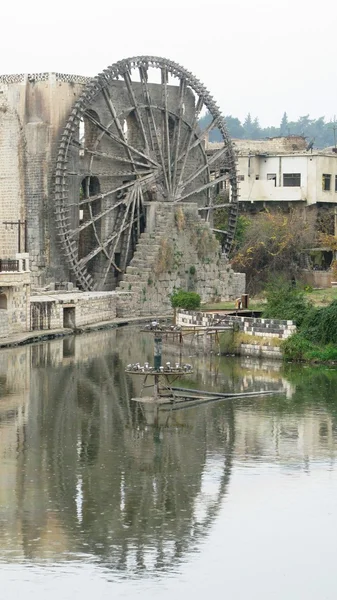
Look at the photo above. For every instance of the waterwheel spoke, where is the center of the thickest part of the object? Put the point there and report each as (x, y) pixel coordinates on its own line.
(113, 112)
(190, 135)
(134, 205)
(91, 215)
(84, 261)
(128, 83)
(198, 172)
(115, 138)
(166, 129)
(120, 188)
(200, 138)
(118, 236)
(205, 186)
(116, 159)
(95, 218)
(155, 141)
(182, 88)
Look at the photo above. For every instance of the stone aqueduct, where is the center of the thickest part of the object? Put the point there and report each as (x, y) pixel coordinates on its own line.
(111, 179)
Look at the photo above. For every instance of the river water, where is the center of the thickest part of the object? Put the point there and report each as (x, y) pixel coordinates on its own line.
(237, 499)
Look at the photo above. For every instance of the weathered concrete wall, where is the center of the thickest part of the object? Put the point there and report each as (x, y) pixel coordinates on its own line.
(260, 351)
(275, 145)
(317, 279)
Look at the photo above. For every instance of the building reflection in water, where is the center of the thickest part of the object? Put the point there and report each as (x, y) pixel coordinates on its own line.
(84, 475)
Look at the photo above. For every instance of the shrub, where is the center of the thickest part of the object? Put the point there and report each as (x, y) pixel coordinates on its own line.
(320, 325)
(296, 347)
(186, 300)
(285, 301)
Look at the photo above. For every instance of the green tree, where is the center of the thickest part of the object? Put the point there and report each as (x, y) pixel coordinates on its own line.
(284, 126)
(234, 127)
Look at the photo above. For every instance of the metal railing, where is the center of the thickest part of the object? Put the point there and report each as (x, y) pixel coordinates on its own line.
(8, 264)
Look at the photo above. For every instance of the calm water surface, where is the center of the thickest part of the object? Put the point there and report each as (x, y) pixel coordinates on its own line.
(236, 499)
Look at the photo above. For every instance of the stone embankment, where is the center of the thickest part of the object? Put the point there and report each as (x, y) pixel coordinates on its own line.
(270, 331)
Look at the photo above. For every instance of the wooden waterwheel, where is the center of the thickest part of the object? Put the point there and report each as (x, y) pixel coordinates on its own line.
(133, 137)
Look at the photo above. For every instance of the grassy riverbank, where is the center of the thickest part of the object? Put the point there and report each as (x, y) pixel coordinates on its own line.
(316, 297)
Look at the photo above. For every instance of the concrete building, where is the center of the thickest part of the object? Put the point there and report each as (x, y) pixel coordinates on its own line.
(284, 171)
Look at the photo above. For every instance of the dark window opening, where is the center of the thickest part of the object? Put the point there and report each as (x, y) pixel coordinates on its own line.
(241, 177)
(326, 182)
(257, 177)
(69, 317)
(335, 183)
(3, 302)
(292, 179)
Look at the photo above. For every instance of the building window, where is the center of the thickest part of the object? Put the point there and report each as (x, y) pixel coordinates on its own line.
(292, 179)
(241, 177)
(326, 182)
(271, 177)
(257, 177)
(335, 183)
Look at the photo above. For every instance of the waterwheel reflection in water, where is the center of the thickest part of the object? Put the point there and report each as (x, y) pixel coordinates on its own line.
(106, 484)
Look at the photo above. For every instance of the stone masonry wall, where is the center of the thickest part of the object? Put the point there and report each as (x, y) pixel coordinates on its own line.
(45, 315)
(178, 251)
(3, 323)
(89, 308)
(15, 287)
(96, 309)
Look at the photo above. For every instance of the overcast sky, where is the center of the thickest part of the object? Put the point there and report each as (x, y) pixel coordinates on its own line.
(261, 56)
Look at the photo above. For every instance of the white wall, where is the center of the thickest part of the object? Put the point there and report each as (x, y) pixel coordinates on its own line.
(327, 165)
(256, 187)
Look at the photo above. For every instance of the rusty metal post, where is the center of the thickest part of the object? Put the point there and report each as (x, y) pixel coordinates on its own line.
(244, 300)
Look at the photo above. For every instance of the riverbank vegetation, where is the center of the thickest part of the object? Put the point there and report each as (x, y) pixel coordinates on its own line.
(313, 312)
(273, 242)
(316, 337)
